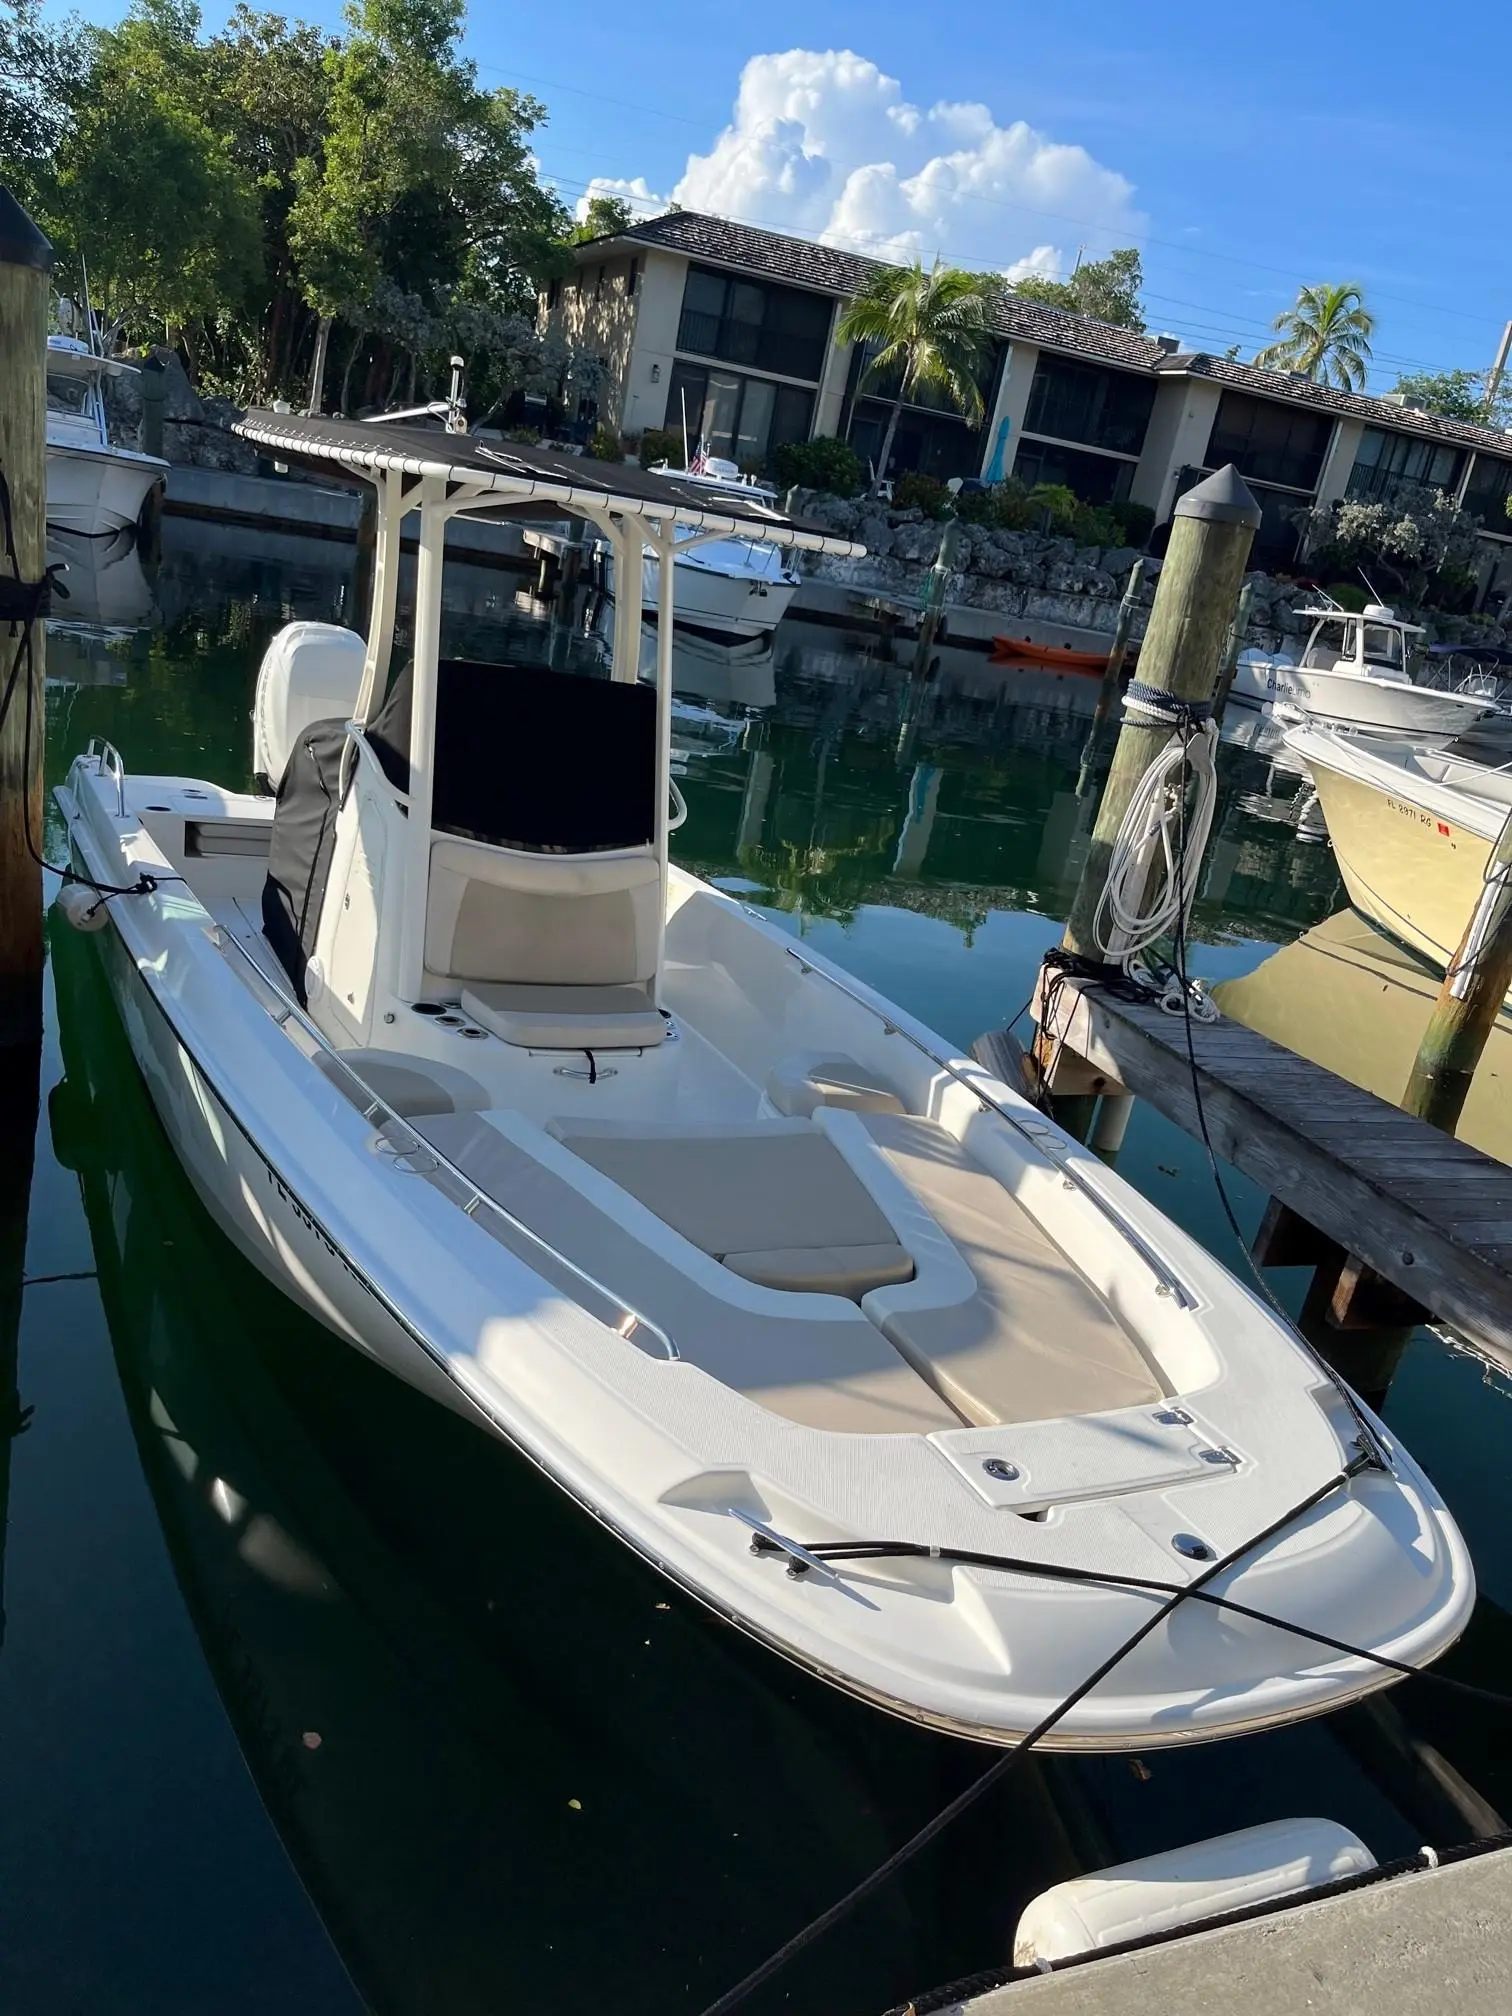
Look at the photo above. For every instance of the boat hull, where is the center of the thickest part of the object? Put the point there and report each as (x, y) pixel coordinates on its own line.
(1412, 868)
(733, 605)
(1344, 699)
(300, 1181)
(98, 490)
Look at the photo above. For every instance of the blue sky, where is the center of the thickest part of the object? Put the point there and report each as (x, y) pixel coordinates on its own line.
(1245, 151)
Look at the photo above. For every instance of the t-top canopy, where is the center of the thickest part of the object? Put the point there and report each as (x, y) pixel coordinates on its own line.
(516, 475)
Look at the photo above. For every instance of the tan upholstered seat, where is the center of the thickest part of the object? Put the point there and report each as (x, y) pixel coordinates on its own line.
(773, 1199)
(567, 1018)
(813, 1078)
(821, 1363)
(407, 1085)
(555, 951)
(1035, 1341)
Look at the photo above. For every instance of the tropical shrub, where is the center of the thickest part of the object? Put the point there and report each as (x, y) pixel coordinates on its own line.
(661, 444)
(916, 492)
(825, 464)
(604, 444)
(1135, 521)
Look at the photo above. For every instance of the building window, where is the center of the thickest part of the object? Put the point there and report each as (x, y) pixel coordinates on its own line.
(553, 295)
(1082, 402)
(598, 284)
(778, 329)
(1268, 442)
(1096, 479)
(1487, 492)
(1386, 462)
(740, 418)
(1279, 535)
(632, 278)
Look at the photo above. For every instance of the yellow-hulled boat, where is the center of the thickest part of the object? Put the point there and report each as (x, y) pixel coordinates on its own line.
(1412, 831)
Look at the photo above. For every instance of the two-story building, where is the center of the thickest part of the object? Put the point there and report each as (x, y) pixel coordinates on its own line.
(732, 331)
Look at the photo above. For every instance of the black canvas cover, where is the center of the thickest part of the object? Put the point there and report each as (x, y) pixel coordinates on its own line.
(299, 853)
(550, 761)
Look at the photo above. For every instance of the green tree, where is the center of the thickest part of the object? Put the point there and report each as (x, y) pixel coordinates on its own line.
(1104, 290)
(927, 326)
(144, 189)
(603, 217)
(1325, 336)
(423, 178)
(41, 69)
(1457, 395)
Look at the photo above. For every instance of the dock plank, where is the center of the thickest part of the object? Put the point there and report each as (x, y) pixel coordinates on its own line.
(1429, 1213)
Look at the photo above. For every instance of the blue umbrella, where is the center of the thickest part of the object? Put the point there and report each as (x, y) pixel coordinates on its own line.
(995, 472)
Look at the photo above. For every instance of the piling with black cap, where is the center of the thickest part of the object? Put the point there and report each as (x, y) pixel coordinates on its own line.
(25, 268)
(1212, 529)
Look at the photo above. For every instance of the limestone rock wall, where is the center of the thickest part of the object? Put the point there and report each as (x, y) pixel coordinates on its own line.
(1053, 581)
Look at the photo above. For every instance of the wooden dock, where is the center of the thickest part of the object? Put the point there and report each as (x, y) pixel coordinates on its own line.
(1414, 1222)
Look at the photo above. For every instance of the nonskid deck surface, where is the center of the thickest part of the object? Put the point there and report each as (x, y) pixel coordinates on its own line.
(851, 1270)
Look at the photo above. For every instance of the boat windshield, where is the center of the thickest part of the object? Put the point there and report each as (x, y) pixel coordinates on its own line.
(67, 394)
(1383, 646)
(1328, 644)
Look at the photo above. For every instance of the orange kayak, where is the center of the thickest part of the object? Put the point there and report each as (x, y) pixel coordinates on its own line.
(1022, 652)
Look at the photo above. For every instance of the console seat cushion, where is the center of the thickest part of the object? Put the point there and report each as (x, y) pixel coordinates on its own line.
(566, 1018)
(407, 1085)
(815, 1359)
(773, 1199)
(1035, 1341)
(813, 1078)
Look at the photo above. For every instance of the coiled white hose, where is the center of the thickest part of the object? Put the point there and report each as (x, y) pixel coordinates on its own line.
(1152, 875)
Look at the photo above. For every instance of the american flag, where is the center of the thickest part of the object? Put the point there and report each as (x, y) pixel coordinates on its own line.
(699, 466)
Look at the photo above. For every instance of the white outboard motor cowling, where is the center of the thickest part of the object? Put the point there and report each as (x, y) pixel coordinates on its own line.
(310, 672)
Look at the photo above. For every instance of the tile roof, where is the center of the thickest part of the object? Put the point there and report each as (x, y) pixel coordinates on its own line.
(1298, 391)
(806, 264)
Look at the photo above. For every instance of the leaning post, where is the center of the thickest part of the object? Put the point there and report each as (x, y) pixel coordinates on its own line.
(1119, 649)
(1195, 598)
(25, 267)
(1468, 1002)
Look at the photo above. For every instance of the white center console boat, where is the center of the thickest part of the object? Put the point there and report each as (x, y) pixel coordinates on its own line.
(819, 1318)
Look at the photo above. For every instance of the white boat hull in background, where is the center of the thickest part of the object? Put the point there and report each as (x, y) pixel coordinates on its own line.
(1348, 700)
(720, 590)
(98, 490)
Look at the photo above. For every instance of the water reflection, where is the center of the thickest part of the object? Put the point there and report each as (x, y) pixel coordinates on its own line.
(513, 1767)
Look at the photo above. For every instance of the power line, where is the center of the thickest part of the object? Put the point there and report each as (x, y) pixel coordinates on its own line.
(1210, 331)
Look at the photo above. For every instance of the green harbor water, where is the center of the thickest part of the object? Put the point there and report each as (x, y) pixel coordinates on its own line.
(313, 1698)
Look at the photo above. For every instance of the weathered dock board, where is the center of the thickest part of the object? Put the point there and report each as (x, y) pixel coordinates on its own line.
(1430, 1214)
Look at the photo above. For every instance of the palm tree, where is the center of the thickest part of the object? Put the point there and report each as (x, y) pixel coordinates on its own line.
(1326, 337)
(928, 326)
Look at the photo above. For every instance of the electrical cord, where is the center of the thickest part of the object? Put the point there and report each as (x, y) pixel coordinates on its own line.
(23, 603)
(995, 1773)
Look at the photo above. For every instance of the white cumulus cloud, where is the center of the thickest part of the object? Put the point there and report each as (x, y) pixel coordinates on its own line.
(825, 145)
(636, 191)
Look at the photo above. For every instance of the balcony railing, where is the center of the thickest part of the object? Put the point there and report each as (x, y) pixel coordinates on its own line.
(748, 343)
(1383, 486)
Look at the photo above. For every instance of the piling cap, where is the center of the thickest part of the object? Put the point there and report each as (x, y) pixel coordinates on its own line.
(21, 243)
(1224, 499)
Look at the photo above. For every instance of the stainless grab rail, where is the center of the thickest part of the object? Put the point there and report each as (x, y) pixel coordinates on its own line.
(100, 750)
(1042, 1137)
(285, 1011)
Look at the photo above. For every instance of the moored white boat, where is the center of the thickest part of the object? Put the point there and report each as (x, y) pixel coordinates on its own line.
(1412, 829)
(1353, 674)
(94, 486)
(731, 1248)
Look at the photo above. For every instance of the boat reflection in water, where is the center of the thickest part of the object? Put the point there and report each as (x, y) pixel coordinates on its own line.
(513, 1768)
(1357, 1003)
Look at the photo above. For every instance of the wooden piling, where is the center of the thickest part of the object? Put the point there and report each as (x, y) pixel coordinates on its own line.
(1119, 651)
(1235, 645)
(1465, 1012)
(1182, 652)
(25, 267)
(931, 616)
